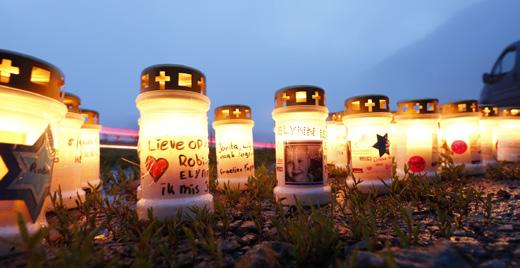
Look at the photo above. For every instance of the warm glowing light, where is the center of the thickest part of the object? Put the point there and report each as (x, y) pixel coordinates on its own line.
(40, 76)
(301, 147)
(67, 161)
(336, 141)
(7, 69)
(416, 137)
(460, 131)
(234, 146)
(173, 146)
(90, 156)
(27, 108)
(368, 128)
(184, 80)
(488, 133)
(162, 79)
(508, 145)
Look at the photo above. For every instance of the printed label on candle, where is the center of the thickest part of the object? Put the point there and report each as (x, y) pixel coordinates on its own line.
(174, 167)
(370, 157)
(459, 147)
(28, 172)
(303, 162)
(235, 159)
(508, 149)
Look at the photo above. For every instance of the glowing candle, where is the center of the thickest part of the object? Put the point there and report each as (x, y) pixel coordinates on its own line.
(367, 119)
(488, 139)
(173, 141)
(336, 141)
(90, 149)
(301, 170)
(416, 138)
(460, 130)
(234, 145)
(30, 101)
(508, 148)
(66, 174)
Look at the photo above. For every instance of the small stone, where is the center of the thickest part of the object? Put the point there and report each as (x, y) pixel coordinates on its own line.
(517, 252)
(369, 259)
(506, 228)
(246, 227)
(460, 233)
(503, 195)
(267, 254)
(442, 254)
(493, 264)
(230, 245)
(248, 239)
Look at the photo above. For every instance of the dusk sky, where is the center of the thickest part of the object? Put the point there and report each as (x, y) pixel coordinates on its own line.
(248, 50)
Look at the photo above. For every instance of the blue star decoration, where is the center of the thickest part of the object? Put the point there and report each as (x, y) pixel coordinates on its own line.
(382, 145)
(29, 172)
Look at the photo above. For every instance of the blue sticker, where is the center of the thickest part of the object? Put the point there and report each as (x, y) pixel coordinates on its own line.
(29, 172)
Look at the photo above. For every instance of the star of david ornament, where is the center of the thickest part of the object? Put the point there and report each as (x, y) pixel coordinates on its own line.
(29, 172)
(382, 145)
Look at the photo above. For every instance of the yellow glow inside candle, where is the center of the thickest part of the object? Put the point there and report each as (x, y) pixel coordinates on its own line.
(488, 134)
(173, 141)
(508, 148)
(336, 141)
(300, 129)
(416, 137)
(66, 174)
(460, 130)
(367, 119)
(234, 145)
(90, 155)
(28, 106)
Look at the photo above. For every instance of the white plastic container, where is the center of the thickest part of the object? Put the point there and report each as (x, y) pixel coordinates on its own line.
(301, 170)
(173, 141)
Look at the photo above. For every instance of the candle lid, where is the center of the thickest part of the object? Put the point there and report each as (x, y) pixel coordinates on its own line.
(73, 102)
(91, 116)
(510, 111)
(367, 104)
(173, 77)
(335, 117)
(299, 95)
(28, 73)
(233, 112)
(488, 110)
(460, 107)
(418, 106)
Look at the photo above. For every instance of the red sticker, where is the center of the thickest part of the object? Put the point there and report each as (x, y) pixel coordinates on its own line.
(416, 164)
(459, 147)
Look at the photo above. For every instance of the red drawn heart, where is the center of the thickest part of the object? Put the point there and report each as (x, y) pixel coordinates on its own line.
(156, 167)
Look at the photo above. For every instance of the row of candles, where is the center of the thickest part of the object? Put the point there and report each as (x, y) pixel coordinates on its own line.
(49, 144)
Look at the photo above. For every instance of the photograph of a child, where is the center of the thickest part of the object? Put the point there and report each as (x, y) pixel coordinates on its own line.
(303, 162)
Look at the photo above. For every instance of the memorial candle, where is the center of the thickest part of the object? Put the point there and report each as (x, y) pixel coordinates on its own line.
(66, 175)
(460, 131)
(30, 98)
(367, 119)
(90, 154)
(336, 141)
(234, 145)
(173, 141)
(300, 130)
(416, 139)
(488, 132)
(508, 148)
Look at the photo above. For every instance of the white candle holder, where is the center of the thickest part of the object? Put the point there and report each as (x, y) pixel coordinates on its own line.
(416, 137)
(336, 141)
(460, 131)
(508, 148)
(300, 130)
(90, 151)
(488, 133)
(30, 100)
(234, 145)
(173, 141)
(67, 162)
(367, 119)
